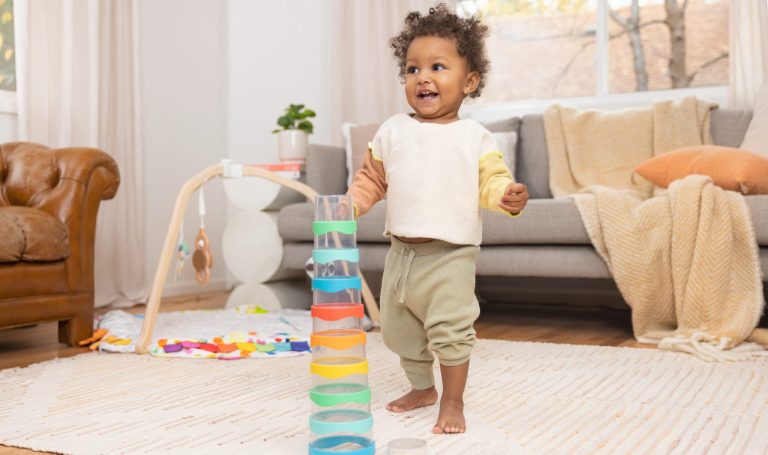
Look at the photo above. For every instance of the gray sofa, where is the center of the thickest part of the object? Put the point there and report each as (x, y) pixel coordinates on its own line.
(543, 256)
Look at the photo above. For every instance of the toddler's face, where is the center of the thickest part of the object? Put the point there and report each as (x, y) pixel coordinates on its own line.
(437, 79)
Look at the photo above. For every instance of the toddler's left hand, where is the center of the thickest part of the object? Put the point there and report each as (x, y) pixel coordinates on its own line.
(515, 198)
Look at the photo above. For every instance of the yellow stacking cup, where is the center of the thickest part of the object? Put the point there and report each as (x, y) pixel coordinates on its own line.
(337, 343)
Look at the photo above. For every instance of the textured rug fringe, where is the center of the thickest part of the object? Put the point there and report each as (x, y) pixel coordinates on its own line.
(702, 346)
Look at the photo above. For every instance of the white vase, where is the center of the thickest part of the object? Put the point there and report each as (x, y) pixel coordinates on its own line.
(292, 145)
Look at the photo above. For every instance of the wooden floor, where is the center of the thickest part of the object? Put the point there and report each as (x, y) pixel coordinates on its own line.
(518, 322)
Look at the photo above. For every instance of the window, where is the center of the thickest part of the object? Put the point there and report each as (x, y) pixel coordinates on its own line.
(7, 48)
(7, 59)
(544, 49)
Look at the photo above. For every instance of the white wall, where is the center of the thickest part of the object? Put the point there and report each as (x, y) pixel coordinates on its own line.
(8, 127)
(279, 53)
(215, 76)
(183, 57)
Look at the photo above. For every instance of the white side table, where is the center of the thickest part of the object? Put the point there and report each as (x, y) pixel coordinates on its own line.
(252, 249)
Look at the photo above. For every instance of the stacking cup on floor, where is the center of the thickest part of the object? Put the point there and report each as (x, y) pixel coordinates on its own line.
(340, 420)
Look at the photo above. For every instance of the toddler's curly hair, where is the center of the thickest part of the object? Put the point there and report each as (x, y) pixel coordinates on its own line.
(469, 33)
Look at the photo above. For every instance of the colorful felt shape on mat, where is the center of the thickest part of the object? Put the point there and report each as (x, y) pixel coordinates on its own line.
(175, 347)
(251, 309)
(282, 346)
(266, 347)
(227, 347)
(246, 347)
(729, 168)
(97, 336)
(209, 347)
(276, 345)
(299, 346)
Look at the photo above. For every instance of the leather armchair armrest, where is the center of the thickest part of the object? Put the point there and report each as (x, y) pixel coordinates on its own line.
(68, 183)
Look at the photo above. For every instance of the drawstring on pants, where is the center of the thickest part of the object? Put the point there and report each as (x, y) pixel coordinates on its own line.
(404, 274)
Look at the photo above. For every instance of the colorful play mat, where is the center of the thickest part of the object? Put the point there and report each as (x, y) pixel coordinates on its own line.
(247, 331)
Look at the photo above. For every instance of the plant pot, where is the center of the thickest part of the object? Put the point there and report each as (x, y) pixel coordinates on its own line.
(292, 145)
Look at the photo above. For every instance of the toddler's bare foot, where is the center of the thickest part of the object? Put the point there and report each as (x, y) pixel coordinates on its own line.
(451, 417)
(414, 399)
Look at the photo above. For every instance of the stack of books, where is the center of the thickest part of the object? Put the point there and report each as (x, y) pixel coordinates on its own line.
(286, 169)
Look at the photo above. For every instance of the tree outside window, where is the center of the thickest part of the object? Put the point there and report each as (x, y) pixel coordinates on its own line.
(542, 49)
(7, 47)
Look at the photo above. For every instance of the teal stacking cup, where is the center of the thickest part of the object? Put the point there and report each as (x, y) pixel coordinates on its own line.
(336, 262)
(342, 444)
(336, 290)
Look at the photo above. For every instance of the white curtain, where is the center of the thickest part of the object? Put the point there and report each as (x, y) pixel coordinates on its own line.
(365, 84)
(78, 85)
(748, 50)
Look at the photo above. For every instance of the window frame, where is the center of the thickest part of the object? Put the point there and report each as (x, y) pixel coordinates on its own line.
(602, 99)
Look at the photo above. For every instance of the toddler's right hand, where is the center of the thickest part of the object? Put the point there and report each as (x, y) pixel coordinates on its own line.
(344, 211)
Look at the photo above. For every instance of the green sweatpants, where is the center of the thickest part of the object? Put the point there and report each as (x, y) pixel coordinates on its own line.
(428, 305)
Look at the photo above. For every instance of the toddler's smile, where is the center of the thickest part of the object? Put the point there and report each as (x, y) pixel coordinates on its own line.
(426, 95)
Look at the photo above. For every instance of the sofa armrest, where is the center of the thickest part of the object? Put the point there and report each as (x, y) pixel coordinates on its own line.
(326, 169)
(68, 183)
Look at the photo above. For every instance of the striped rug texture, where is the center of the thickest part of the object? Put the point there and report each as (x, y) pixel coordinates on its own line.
(521, 398)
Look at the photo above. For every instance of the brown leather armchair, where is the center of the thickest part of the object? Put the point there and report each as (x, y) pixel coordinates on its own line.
(48, 205)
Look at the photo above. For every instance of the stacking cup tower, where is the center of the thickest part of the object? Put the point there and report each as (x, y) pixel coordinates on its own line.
(340, 420)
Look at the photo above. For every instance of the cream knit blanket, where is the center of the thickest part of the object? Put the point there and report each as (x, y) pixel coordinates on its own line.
(686, 261)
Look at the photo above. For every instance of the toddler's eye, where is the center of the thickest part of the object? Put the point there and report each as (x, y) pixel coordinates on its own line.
(411, 70)
(437, 67)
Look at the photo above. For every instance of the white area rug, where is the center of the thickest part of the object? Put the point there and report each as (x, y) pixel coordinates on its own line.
(521, 398)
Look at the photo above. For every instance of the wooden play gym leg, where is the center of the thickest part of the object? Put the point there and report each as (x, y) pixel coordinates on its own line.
(226, 170)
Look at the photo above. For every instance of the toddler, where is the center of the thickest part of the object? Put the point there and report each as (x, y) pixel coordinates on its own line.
(437, 171)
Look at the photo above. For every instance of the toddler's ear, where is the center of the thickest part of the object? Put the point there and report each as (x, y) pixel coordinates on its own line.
(471, 83)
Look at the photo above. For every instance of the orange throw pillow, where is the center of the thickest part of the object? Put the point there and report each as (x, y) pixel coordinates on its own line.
(729, 168)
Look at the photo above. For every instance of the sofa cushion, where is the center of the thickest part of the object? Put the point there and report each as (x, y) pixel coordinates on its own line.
(30, 234)
(532, 161)
(729, 168)
(756, 137)
(544, 221)
(758, 207)
(728, 126)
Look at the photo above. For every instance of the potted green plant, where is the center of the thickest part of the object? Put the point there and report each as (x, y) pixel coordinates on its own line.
(294, 131)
